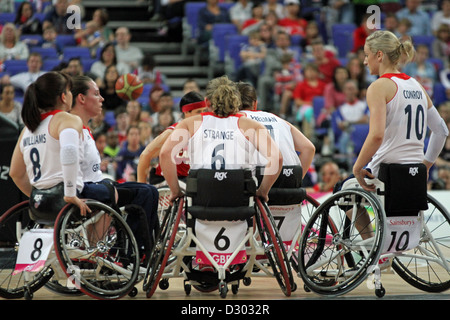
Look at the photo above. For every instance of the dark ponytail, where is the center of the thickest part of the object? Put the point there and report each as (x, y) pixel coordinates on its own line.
(31, 114)
(43, 95)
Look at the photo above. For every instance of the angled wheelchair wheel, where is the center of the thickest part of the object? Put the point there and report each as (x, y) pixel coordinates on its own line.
(309, 205)
(341, 242)
(98, 252)
(13, 224)
(427, 267)
(162, 250)
(163, 205)
(274, 248)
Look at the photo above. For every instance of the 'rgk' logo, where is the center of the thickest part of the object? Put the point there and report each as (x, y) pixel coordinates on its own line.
(220, 175)
(288, 172)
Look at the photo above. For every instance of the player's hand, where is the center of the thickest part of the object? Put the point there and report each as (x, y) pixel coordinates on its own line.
(360, 174)
(79, 203)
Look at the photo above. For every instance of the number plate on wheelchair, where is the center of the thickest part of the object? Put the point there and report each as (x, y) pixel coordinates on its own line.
(220, 239)
(402, 233)
(287, 219)
(34, 248)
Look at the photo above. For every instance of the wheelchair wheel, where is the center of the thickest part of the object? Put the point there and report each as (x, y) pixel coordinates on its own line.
(13, 224)
(429, 268)
(163, 247)
(309, 205)
(341, 242)
(98, 252)
(274, 248)
(163, 205)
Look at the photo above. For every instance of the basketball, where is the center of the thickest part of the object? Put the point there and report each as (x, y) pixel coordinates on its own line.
(129, 87)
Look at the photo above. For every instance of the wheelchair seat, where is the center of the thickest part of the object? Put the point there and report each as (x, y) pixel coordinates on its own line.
(287, 188)
(45, 204)
(221, 194)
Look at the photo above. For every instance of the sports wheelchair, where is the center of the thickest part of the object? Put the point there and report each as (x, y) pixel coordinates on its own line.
(96, 254)
(291, 206)
(229, 234)
(399, 224)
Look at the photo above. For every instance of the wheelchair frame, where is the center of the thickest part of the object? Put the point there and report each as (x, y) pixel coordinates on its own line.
(174, 260)
(337, 267)
(89, 266)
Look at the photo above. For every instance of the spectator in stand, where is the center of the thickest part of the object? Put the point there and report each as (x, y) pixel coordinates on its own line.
(145, 131)
(23, 79)
(58, 17)
(153, 99)
(274, 6)
(357, 72)
(108, 89)
(11, 48)
(49, 35)
(97, 124)
(272, 63)
(353, 111)
(338, 11)
(403, 29)
(256, 19)
(190, 85)
(292, 22)
(7, 6)
(311, 33)
(391, 22)
(166, 101)
(266, 33)
(333, 96)
(89, 37)
(74, 67)
(422, 70)
(134, 109)
(240, 12)
(361, 33)
(128, 156)
(329, 175)
(207, 17)
(25, 20)
(420, 20)
(126, 52)
(324, 59)
(252, 57)
(101, 17)
(122, 124)
(148, 72)
(108, 58)
(303, 96)
(112, 147)
(441, 45)
(441, 17)
(285, 81)
(10, 108)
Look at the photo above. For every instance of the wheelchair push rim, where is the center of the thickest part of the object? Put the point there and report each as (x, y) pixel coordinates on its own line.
(334, 258)
(98, 253)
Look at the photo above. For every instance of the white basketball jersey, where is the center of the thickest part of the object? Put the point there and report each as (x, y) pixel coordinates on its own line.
(90, 166)
(406, 124)
(280, 132)
(219, 144)
(41, 154)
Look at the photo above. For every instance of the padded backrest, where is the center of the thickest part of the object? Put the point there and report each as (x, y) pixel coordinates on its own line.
(405, 188)
(45, 204)
(220, 188)
(287, 189)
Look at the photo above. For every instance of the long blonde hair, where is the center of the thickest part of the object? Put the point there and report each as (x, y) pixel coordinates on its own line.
(386, 42)
(224, 96)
